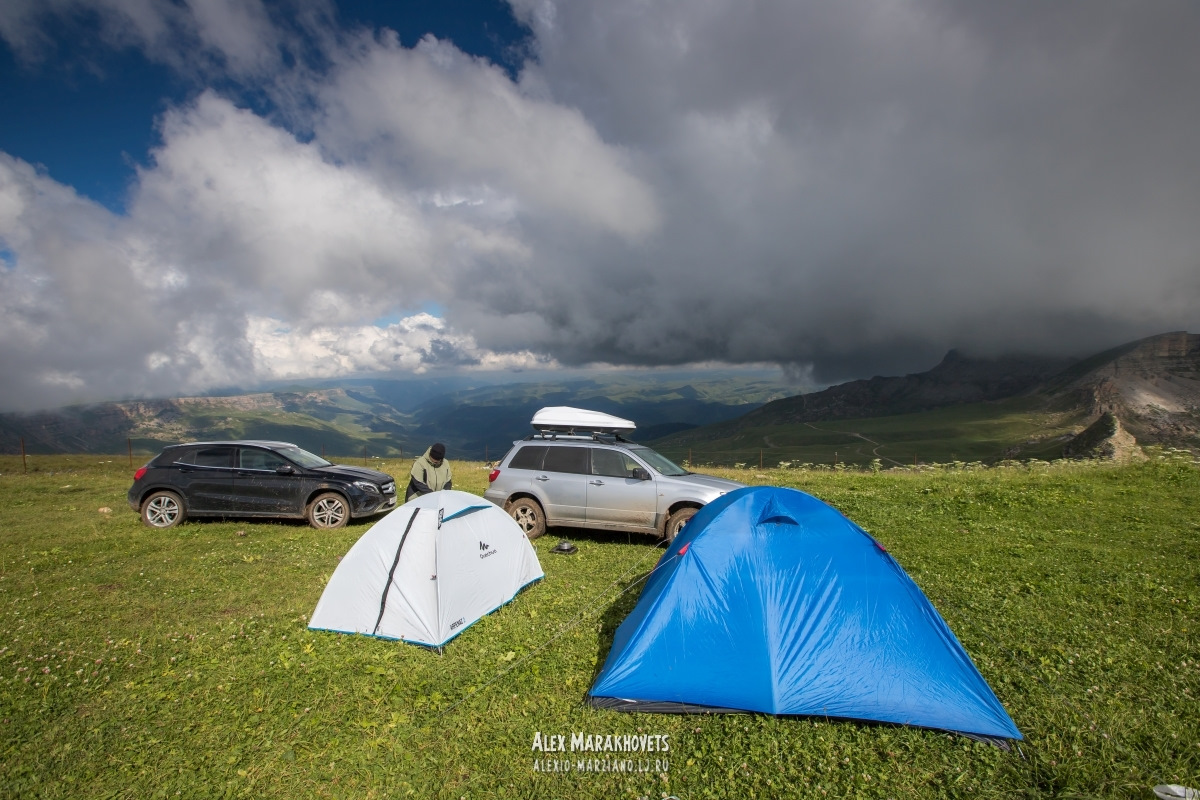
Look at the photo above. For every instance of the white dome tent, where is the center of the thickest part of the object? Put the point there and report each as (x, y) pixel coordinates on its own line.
(428, 570)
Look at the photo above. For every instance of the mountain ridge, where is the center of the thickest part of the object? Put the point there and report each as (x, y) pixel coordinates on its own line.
(954, 380)
(1150, 386)
(387, 419)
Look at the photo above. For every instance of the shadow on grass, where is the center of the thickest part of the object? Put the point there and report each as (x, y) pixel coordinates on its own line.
(629, 589)
(599, 536)
(287, 522)
(612, 618)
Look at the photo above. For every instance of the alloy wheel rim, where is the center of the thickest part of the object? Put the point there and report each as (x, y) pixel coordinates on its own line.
(162, 512)
(526, 519)
(328, 513)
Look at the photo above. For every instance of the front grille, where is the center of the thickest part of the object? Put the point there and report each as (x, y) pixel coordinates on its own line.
(389, 488)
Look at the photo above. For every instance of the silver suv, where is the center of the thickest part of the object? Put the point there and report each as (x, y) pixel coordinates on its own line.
(598, 482)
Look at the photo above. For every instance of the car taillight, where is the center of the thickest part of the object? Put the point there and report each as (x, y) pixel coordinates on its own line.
(493, 475)
(137, 476)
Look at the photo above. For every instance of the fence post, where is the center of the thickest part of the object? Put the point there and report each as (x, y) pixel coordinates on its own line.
(760, 458)
(24, 466)
(129, 444)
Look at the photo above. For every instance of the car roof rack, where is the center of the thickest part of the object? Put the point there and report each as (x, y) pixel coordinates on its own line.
(570, 435)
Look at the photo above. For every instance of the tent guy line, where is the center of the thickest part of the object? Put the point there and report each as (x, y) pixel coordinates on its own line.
(1012, 655)
(579, 618)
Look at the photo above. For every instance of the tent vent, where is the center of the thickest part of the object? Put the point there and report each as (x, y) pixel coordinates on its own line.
(774, 514)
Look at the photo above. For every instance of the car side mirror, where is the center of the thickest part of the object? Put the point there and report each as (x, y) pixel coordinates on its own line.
(286, 469)
(641, 474)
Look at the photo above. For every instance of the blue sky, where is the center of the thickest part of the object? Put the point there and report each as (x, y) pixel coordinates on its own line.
(212, 193)
(87, 113)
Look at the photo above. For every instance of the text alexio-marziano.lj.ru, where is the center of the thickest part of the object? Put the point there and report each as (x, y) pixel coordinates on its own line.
(607, 753)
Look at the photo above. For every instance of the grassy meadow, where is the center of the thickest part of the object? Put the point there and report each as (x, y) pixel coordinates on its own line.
(143, 664)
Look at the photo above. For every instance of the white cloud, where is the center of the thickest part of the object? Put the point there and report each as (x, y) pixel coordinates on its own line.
(452, 121)
(842, 187)
(415, 344)
(268, 223)
(198, 38)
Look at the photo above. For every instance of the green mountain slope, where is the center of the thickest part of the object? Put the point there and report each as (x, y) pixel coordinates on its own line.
(1018, 427)
(391, 418)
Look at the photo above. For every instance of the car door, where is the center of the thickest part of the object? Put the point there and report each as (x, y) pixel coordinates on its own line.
(563, 482)
(258, 488)
(615, 497)
(204, 477)
(524, 465)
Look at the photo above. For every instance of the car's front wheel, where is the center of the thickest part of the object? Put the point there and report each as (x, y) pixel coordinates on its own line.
(529, 517)
(329, 510)
(676, 521)
(163, 510)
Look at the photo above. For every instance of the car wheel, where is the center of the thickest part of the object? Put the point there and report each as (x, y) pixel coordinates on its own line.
(529, 517)
(163, 510)
(676, 521)
(329, 510)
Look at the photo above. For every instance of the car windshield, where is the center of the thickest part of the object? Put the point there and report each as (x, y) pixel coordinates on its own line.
(662, 465)
(302, 457)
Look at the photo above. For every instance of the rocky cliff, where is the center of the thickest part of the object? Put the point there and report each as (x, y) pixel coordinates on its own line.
(1152, 386)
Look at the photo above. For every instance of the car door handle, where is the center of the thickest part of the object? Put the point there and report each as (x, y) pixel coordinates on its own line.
(542, 478)
(596, 483)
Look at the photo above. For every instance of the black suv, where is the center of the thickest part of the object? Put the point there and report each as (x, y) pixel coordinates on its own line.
(255, 479)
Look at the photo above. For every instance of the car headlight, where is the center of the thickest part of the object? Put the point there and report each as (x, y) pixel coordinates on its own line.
(367, 487)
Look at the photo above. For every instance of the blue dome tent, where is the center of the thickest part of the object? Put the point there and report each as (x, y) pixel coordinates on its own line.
(771, 601)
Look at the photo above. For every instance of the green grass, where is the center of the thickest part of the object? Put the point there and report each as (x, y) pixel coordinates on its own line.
(990, 432)
(145, 664)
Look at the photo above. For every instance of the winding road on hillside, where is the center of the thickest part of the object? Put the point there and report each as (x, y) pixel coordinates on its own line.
(874, 452)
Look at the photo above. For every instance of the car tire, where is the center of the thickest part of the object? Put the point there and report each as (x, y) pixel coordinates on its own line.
(162, 510)
(328, 511)
(529, 517)
(676, 521)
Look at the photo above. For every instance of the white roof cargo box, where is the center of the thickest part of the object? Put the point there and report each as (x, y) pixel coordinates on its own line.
(570, 420)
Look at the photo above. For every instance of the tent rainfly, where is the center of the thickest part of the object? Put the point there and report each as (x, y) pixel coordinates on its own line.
(771, 601)
(428, 570)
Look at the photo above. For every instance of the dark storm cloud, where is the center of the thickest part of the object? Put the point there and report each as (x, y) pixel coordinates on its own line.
(865, 185)
(845, 189)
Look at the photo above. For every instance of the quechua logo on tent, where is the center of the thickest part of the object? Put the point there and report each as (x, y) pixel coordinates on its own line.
(486, 550)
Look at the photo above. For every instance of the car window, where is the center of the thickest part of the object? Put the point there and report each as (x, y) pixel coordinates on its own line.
(566, 459)
(304, 458)
(253, 458)
(528, 457)
(209, 457)
(612, 463)
(661, 463)
(174, 456)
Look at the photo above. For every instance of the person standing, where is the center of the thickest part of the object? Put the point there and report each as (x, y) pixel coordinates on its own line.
(430, 472)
